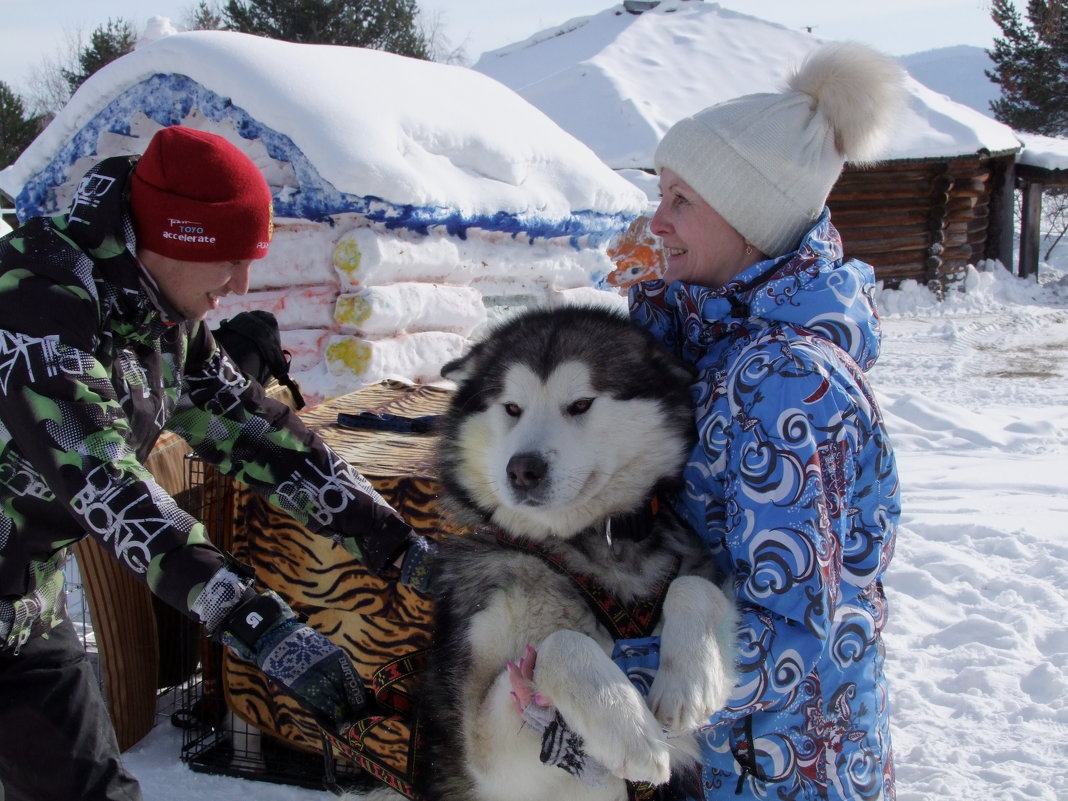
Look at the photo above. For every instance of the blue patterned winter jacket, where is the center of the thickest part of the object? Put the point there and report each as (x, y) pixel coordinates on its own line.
(794, 489)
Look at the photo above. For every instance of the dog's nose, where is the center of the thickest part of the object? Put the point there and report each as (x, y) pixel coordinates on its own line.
(526, 471)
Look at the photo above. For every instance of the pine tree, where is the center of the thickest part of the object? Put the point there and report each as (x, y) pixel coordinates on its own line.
(389, 25)
(1031, 65)
(206, 17)
(16, 129)
(106, 44)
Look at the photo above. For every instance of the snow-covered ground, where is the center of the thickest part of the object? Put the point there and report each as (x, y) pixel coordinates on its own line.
(975, 391)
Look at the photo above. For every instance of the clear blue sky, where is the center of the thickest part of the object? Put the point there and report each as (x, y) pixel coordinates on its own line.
(34, 30)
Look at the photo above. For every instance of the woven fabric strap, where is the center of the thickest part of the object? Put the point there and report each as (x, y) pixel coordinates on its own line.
(623, 621)
(392, 764)
(353, 747)
(643, 791)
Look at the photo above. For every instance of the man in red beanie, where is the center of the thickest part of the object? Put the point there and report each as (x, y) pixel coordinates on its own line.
(102, 345)
(195, 197)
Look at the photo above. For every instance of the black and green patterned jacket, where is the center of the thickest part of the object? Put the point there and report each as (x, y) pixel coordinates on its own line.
(91, 371)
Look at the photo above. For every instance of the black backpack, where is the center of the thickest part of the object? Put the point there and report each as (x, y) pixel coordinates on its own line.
(254, 343)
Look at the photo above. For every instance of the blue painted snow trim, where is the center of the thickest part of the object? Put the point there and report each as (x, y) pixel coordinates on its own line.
(168, 99)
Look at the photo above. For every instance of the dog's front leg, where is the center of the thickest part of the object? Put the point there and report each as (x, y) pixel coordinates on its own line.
(503, 753)
(599, 703)
(697, 654)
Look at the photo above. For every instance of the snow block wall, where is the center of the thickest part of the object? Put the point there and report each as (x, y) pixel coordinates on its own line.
(413, 201)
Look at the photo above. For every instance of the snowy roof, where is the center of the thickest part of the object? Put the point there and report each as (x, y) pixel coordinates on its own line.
(412, 141)
(1045, 152)
(618, 81)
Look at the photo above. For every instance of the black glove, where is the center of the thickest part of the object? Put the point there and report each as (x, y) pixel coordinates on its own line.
(262, 629)
(416, 566)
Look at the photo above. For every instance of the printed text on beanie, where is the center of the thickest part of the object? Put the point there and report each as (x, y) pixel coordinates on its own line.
(196, 197)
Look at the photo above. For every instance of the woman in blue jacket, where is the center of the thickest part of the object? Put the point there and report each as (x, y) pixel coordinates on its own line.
(792, 484)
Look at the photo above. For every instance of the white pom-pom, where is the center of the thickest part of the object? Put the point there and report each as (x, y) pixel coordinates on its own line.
(859, 91)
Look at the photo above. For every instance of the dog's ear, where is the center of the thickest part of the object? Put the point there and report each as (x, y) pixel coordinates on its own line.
(463, 367)
(676, 369)
(680, 370)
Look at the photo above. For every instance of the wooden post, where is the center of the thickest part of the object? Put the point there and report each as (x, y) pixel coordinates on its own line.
(1003, 204)
(1030, 227)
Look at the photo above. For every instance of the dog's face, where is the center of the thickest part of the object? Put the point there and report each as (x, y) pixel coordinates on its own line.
(561, 419)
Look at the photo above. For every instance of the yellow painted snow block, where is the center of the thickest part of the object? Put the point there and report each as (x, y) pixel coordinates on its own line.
(348, 355)
(352, 310)
(347, 258)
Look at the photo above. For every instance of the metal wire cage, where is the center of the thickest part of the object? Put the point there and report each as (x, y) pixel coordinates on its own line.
(214, 740)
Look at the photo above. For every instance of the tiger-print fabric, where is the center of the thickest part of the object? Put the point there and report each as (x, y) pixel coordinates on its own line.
(384, 626)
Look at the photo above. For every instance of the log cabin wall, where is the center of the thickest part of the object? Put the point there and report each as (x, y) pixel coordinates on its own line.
(925, 220)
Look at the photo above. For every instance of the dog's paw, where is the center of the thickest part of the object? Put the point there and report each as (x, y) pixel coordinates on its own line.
(651, 764)
(634, 753)
(697, 664)
(599, 703)
(684, 698)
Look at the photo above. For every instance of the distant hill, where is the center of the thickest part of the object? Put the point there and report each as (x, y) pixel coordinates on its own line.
(957, 72)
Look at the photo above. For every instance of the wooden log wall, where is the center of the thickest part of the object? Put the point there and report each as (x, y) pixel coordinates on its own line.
(925, 220)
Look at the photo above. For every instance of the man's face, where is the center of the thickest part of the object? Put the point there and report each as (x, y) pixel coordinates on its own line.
(194, 287)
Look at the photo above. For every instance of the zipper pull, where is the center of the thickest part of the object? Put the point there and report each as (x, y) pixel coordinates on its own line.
(741, 780)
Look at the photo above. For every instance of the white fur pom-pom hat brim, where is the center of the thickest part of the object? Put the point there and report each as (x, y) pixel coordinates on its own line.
(766, 162)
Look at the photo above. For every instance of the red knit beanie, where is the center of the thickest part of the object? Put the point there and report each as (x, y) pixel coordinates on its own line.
(196, 197)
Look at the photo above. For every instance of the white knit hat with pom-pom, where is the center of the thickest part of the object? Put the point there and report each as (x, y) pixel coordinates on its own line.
(766, 162)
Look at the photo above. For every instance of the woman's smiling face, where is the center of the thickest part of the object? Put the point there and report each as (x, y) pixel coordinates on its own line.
(699, 245)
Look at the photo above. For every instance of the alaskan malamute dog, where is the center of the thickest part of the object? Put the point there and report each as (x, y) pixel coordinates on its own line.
(565, 425)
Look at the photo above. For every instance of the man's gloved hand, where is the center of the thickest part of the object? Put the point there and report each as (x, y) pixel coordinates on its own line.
(416, 565)
(262, 629)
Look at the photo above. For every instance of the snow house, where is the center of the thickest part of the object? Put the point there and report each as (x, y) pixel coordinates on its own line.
(413, 200)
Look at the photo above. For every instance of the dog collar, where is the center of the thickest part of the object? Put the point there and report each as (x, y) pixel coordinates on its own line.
(634, 526)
